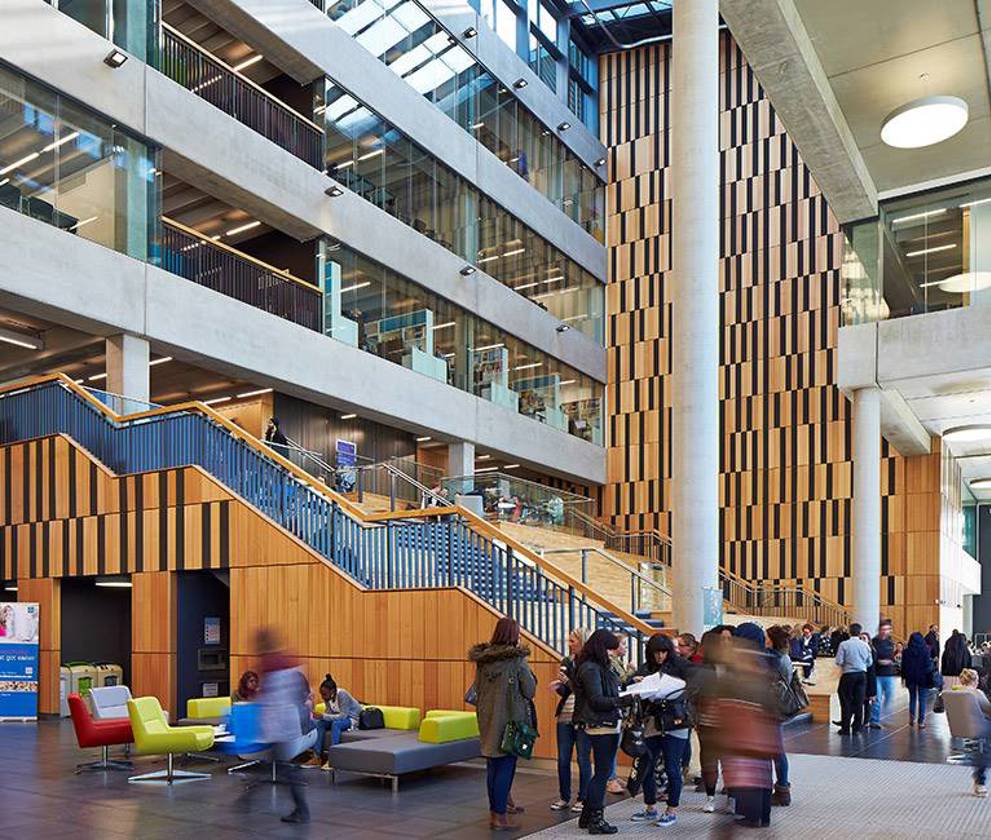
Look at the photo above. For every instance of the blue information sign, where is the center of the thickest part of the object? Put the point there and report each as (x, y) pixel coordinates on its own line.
(18, 660)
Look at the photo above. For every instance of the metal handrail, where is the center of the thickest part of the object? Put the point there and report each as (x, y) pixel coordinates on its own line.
(757, 597)
(425, 495)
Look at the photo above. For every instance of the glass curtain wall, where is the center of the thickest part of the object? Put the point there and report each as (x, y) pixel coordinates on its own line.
(131, 24)
(63, 165)
(418, 49)
(372, 157)
(371, 307)
(924, 253)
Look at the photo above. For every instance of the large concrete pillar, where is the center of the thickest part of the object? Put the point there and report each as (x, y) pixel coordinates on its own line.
(460, 458)
(695, 308)
(127, 367)
(867, 507)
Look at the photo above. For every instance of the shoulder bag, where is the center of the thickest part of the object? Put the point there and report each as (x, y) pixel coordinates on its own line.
(791, 697)
(518, 737)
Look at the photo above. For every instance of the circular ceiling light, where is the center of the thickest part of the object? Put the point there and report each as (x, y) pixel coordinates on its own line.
(969, 281)
(967, 434)
(924, 122)
(981, 484)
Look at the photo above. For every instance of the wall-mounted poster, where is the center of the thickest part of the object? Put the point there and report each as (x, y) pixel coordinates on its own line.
(18, 661)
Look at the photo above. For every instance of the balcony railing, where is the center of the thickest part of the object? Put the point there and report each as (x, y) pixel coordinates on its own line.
(186, 62)
(189, 254)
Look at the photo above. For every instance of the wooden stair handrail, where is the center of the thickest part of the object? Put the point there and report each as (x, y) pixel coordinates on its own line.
(475, 522)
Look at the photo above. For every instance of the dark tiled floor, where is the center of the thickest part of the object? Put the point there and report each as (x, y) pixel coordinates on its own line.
(40, 796)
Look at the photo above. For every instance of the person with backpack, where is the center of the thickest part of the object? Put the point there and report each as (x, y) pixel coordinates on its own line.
(504, 689)
(666, 731)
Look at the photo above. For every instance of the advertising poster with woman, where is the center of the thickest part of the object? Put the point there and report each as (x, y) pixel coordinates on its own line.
(18, 661)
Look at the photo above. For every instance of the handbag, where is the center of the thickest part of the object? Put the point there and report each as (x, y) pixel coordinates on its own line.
(471, 695)
(791, 697)
(518, 737)
(371, 718)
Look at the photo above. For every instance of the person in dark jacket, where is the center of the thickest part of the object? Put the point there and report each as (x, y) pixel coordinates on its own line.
(886, 672)
(274, 435)
(870, 686)
(504, 689)
(917, 670)
(597, 710)
(661, 655)
(803, 651)
(956, 657)
(932, 642)
(570, 738)
(837, 637)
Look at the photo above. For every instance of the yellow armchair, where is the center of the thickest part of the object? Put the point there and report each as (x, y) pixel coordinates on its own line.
(153, 736)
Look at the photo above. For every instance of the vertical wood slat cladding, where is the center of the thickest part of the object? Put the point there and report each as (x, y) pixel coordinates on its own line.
(785, 451)
(403, 647)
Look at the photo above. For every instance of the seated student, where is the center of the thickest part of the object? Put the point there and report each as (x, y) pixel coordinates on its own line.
(340, 714)
(247, 688)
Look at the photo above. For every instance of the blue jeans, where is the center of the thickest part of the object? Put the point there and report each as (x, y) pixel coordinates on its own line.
(571, 739)
(917, 695)
(673, 750)
(886, 688)
(604, 749)
(335, 727)
(499, 779)
(781, 770)
(649, 765)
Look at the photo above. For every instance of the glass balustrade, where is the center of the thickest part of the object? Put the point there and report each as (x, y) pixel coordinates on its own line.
(377, 310)
(62, 164)
(374, 159)
(506, 498)
(130, 24)
(403, 35)
(922, 254)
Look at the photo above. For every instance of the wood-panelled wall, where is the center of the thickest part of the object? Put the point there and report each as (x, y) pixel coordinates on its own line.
(785, 452)
(67, 515)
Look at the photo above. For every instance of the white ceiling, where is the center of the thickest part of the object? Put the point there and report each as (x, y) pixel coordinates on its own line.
(873, 53)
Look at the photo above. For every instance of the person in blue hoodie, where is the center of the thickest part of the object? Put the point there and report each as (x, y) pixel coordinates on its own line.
(917, 673)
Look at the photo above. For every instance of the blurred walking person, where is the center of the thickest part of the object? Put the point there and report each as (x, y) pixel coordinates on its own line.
(504, 690)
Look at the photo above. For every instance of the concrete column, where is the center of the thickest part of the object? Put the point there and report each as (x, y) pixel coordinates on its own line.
(460, 458)
(127, 367)
(867, 507)
(695, 308)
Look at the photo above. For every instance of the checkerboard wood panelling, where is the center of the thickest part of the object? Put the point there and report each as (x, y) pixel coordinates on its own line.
(786, 471)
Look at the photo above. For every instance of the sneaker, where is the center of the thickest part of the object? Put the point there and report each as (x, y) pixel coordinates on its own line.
(710, 805)
(615, 786)
(980, 791)
(577, 807)
(312, 763)
(667, 819)
(646, 815)
(559, 805)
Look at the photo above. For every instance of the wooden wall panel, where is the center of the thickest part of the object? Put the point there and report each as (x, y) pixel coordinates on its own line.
(785, 450)
(47, 593)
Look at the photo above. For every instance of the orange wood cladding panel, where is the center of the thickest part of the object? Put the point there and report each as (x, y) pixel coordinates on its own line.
(46, 592)
(786, 437)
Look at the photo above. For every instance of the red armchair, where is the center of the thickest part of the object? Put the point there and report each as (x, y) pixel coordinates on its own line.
(92, 733)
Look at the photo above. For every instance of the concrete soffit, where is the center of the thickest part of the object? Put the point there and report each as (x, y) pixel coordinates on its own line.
(777, 46)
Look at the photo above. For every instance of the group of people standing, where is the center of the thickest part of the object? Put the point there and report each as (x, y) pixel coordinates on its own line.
(732, 674)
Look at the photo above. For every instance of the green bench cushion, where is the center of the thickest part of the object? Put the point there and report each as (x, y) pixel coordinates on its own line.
(439, 727)
(198, 708)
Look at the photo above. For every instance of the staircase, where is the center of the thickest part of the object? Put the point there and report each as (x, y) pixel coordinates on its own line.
(437, 547)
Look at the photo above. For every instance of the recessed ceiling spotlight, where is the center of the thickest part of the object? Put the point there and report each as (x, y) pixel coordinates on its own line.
(924, 122)
(600, 162)
(334, 191)
(115, 58)
(470, 32)
(468, 270)
(563, 126)
(967, 434)
(520, 83)
(562, 328)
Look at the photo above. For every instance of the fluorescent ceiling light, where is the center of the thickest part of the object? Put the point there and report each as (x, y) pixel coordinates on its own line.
(511, 467)
(476, 126)
(21, 162)
(967, 434)
(443, 326)
(981, 484)
(575, 317)
(526, 286)
(161, 361)
(529, 366)
(488, 259)
(344, 164)
(217, 400)
(242, 228)
(553, 279)
(483, 457)
(356, 286)
(514, 252)
(423, 439)
(114, 584)
(4, 181)
(368, 155)
(934, 250)
(968, 281)
(244, 65)
(916, 216)
(257, 393)
(568, 382)
(975, 203)
(10, 587)
(97, 377)
(487, 469)
(348, 416)
(19, 339)
(488, 347)
(83, 222)
(924, 122)
(57, 143)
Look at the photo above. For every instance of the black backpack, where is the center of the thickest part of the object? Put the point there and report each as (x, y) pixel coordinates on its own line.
(371, 718)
